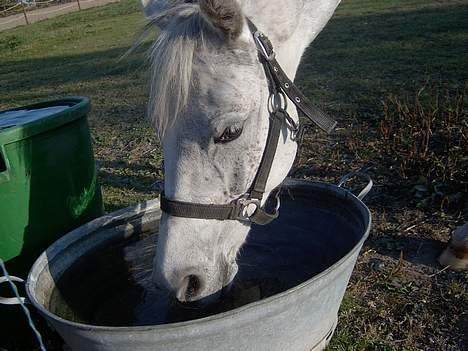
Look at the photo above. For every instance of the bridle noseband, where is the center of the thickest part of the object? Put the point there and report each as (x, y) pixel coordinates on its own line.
(248, 207)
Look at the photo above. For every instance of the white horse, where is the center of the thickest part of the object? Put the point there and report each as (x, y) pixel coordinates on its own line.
(209, 104)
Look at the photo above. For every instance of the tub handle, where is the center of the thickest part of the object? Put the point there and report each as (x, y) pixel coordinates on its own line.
(12, 300)
(364, 191)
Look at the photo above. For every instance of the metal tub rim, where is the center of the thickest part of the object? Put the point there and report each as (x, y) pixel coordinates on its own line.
(153, 206)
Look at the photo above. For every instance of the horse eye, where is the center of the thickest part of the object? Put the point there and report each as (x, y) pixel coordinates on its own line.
(230, 134)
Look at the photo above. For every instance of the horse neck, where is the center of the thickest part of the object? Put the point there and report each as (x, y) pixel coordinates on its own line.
(291, 25)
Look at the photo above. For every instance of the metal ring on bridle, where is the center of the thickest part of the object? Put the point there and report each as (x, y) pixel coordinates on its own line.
(277, 102)
(278, 201)
(247, 208)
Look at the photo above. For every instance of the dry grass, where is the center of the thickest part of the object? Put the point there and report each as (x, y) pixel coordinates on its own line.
(399, 298)
(427, 134)
(426, 138)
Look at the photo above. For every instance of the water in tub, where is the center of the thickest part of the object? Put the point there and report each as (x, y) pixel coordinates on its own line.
(112, 286)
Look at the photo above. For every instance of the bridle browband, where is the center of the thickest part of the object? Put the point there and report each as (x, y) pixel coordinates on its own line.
(248, 207)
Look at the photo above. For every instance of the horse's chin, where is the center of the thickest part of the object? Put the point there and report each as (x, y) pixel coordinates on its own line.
(229, 282)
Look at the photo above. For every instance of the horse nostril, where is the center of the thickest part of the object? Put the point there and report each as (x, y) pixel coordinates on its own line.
(193, 287)
(190, 289)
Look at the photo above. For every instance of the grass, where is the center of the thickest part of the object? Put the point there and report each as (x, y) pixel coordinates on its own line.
(427, 137)
(78, 54)
(371, 59)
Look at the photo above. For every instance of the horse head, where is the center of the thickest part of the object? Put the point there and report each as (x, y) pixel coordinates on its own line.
(210, 103)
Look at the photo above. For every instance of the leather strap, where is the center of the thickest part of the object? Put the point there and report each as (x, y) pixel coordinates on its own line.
(259, 185)
(246, 208)
(303, 104)
(232, 211)
(191, 210)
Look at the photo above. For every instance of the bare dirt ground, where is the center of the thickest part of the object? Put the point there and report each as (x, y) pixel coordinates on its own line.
(48, 12)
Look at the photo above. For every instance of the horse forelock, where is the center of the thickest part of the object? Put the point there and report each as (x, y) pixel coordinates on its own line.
(182, 32)
(186, 27)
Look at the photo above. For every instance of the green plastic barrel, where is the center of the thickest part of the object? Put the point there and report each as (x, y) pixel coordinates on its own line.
(48, 182)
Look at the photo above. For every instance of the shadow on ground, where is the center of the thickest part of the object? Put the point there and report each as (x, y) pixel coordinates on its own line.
(412, 249)
(356, 60)
(44, 78)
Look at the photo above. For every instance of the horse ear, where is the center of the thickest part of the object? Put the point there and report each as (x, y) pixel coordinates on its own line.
(224, 15)
(151, 7)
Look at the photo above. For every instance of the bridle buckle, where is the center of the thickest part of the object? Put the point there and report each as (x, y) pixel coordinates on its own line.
(262, 44)
(246, 208)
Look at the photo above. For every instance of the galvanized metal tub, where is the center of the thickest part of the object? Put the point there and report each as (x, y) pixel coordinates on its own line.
(303, 317)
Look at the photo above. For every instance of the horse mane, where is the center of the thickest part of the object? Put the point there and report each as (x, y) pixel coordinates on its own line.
(182, 31)
(185, 26)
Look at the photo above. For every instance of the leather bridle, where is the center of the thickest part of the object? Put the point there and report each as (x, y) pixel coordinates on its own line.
(248, 207)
